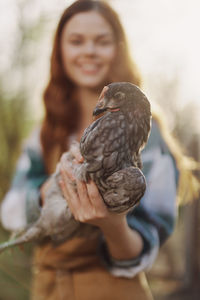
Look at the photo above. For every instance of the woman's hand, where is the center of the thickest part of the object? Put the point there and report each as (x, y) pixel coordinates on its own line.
(87, 206)
(84, 199)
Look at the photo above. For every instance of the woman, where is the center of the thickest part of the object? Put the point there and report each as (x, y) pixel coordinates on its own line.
(90, 51)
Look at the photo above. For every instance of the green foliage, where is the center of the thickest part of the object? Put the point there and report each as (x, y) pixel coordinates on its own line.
(13, 128)
(15, 272)
(16, 88)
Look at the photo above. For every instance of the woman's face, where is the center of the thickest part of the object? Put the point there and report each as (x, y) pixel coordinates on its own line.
(88, 49)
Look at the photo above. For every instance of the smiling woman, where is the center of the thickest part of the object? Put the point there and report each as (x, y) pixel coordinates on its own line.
(88, 49)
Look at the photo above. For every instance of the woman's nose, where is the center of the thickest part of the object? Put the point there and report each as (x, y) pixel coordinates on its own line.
(90, 48)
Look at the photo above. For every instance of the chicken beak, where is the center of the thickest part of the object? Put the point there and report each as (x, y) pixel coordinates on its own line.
(99, 109)
(101, 105)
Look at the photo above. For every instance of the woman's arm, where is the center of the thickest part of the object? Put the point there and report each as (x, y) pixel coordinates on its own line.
(131, 243)
(87, 206)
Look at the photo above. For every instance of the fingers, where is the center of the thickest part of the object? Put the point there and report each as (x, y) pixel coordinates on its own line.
(66, 167)
(92, 209)
(84, 200)
(83, 193)
(86, 211)
(95, 197)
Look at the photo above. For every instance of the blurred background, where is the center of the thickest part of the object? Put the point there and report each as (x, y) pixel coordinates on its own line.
(164, 41)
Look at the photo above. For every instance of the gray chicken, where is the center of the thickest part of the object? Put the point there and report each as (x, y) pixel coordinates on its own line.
(111, 148)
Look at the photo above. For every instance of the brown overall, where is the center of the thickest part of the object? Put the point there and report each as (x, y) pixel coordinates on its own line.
(73, 271)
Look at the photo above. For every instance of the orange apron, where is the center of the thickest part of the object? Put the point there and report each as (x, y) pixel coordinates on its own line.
(73, 271)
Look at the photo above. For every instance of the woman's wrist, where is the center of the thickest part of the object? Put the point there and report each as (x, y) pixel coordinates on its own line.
(123, 242)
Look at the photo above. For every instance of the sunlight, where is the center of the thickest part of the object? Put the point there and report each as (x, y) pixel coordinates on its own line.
(164, 42)
(162, 35)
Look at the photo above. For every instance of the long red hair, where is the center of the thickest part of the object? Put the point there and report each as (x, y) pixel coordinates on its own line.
(62, 113)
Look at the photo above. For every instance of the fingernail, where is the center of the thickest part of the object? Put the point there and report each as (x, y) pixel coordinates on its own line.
(81, 159)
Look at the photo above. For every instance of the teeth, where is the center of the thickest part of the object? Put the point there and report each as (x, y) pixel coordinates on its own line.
(89, 67)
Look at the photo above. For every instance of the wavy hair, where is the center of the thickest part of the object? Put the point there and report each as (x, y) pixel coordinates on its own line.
(59, 103)
(58, 123)
(188, 184)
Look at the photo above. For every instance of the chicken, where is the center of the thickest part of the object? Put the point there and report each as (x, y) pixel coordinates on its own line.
(111, 145)
(111, 148)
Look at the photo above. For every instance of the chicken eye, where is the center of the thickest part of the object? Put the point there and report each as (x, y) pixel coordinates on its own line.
(119, 96)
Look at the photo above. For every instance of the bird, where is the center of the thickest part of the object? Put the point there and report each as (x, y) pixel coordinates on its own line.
(111, 148)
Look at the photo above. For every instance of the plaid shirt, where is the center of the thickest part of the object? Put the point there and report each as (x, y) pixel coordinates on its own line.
(153, 218)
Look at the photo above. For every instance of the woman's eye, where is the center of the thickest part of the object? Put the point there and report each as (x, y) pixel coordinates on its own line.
(75, 42)
(105, 42)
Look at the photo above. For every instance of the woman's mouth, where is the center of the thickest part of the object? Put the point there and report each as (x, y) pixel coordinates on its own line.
(89, 69)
